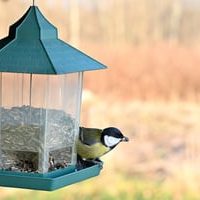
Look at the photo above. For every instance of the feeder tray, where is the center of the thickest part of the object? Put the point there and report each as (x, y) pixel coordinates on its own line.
(49, 181)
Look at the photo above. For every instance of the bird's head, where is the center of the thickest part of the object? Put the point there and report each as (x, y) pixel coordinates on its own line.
(112, 136)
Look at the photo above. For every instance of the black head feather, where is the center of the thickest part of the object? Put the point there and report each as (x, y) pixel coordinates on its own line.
(114, 132)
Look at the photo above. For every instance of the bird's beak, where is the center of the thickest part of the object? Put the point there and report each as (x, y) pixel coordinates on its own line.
(125, 139)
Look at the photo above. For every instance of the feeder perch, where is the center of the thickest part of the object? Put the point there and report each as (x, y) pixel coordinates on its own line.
(40, 97)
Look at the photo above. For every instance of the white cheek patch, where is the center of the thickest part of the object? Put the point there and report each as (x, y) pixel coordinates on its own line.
(111, 141)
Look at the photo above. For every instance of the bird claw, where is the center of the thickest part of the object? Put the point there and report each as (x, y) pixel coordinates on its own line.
(100, 163)
(82, 164)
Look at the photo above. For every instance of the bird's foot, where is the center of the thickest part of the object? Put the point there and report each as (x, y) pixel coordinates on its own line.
(97, 161)
(81, 163)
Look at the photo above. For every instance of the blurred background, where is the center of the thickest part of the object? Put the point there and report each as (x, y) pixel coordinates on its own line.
(151, 91)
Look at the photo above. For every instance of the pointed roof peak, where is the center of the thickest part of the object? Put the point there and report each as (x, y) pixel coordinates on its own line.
(31, 24)
(32, 46)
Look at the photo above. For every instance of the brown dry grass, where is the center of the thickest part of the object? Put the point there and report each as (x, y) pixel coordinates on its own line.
(155, 72)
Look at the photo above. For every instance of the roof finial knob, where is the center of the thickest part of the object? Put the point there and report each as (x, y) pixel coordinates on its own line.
(33, 2)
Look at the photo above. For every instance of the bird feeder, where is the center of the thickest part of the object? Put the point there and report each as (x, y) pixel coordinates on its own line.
(40, 97)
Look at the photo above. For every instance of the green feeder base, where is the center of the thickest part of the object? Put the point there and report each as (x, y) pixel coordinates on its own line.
(49, 181)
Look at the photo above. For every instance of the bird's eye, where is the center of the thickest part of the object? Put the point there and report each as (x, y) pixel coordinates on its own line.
(111, 141)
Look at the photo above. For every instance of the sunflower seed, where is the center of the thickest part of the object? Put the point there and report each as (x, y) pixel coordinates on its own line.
(30, 132)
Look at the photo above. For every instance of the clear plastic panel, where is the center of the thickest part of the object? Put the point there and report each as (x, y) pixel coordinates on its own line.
(21, 129)
(39, 120)
(63, 110)
(38, 116)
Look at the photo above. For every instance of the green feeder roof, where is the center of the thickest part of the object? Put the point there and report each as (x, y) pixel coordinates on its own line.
(32, 46)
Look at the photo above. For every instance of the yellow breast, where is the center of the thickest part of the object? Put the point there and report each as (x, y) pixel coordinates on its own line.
(91, 152)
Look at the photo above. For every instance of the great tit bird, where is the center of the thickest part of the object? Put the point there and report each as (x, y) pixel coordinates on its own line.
(94, 143)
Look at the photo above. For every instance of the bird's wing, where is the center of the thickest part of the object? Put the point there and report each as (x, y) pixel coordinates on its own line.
(90, 136)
